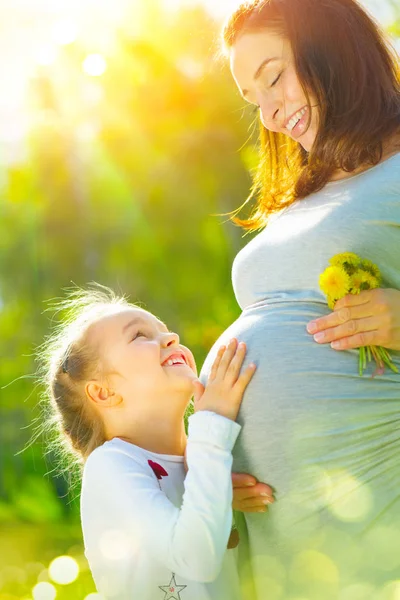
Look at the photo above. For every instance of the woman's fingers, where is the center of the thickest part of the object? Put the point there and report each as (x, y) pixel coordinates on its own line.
(243, 480)
(251, 498)
(359, 307)
(251, 505)
(371, 318)
(348, 329)
(256, 493)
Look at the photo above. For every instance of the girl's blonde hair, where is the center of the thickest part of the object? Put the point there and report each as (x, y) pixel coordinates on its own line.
(71, 426)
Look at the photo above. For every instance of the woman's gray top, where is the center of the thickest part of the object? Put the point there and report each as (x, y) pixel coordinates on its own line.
(325, 438)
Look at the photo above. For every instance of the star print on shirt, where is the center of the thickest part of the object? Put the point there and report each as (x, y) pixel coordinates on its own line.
(172, 590)
(158, 470)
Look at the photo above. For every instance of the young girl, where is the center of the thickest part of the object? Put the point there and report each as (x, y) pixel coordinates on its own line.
(120, 382)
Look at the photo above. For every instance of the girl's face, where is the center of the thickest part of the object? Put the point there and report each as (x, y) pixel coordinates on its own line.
(145, 363)
(263, 67)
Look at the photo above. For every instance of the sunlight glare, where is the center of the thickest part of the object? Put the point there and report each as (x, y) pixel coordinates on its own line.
(94, 65)
(46, 56)
(64, 33)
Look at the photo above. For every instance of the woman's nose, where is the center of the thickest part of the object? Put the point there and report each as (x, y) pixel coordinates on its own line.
(269, 111)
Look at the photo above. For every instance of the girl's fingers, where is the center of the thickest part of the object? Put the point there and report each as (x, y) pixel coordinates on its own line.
(236, 363)
(216, 362)
(245, 378)
(227, 357)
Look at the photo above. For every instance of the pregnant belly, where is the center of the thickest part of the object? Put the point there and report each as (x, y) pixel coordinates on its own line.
(309, 422)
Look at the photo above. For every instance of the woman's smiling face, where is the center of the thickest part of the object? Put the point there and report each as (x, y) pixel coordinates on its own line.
(262, 65)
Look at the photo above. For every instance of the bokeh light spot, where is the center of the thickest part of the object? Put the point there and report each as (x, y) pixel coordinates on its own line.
(64, 570)
(94, 65)
(311, 565)
(350, 500)
(44, 591)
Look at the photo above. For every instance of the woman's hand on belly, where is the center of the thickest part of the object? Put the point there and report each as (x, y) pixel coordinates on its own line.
(249, 495)
(371, 318)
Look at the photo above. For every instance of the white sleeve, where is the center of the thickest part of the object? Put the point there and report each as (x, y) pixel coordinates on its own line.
(192, 540)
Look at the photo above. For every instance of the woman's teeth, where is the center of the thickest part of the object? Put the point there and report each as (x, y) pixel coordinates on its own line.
(295, 119)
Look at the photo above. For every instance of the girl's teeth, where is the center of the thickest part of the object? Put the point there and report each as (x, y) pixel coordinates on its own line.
(174, 361)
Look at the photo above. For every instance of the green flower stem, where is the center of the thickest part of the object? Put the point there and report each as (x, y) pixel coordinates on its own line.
(361, 360)
(385, 357)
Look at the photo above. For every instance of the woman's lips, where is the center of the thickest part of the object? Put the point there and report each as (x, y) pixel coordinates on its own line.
(301, 126)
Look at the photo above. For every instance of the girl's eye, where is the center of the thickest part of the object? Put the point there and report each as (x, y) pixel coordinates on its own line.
(138, 334)
(276, 80)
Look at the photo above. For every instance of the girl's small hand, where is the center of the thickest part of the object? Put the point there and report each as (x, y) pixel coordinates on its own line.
(226, 384)
(249, 495)
(371, 318)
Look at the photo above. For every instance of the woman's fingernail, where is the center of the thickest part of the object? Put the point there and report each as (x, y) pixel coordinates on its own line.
(312, 327)
(268, 496)
(319, 337)
(335, 345)
(248, 484)
(267, 501)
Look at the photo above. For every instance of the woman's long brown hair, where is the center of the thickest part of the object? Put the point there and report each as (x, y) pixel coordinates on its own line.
(343, 59)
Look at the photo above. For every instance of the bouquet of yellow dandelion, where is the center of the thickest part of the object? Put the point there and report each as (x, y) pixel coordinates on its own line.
(348, 273)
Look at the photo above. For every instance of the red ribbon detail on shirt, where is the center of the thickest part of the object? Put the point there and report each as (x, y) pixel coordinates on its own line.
(158, 470)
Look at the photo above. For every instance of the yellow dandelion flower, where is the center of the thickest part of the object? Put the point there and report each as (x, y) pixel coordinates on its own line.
(371, 268)
(356, 281)
(335, 282)
(345, 257)
(362, 280)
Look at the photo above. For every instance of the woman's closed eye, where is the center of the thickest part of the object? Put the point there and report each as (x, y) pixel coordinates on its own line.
(276, 80)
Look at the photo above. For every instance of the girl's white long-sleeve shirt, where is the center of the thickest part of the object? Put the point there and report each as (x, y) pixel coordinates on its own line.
(153, 532)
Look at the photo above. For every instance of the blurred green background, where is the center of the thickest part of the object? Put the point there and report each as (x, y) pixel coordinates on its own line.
(122, 138)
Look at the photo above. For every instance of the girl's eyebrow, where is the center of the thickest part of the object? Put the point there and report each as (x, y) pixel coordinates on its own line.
(133, 322)
(137, 320)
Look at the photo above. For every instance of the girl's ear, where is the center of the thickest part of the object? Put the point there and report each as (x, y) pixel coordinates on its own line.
(100, 394)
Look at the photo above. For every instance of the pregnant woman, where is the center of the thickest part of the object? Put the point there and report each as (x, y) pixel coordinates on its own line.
(328, 92)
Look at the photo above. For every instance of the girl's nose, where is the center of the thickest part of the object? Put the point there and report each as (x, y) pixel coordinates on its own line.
(170, 339)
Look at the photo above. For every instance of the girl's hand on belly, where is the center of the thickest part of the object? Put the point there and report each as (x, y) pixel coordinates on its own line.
(371, 318)
(249, 495)
(226, 383)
